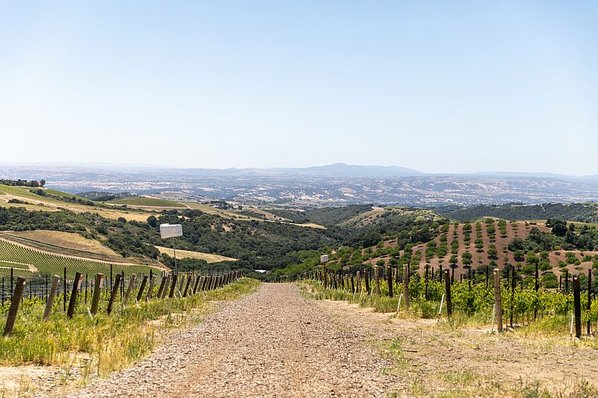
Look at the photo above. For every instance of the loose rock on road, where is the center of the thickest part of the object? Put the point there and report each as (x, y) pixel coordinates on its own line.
(273, 343)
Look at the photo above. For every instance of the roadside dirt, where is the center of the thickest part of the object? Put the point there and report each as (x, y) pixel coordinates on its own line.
(435, 359)
(275, 343)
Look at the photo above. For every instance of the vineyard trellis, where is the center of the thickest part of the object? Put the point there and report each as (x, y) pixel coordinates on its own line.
(520, 298)
(83, 291)
(18, 260)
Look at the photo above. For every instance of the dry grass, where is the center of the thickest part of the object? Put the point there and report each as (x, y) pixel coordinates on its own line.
(143, 202)
(223, 213)
(65, 240)
(310, 225)
(437, 358)
(209, 257)
(36, 202)
(237, 216)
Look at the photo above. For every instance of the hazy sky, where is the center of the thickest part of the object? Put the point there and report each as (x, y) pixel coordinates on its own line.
(445, 86)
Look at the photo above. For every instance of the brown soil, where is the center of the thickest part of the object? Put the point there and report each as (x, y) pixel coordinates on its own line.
(436, 359)
(519, 229)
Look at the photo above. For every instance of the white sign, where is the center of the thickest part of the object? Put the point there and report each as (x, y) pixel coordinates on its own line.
(323, 258)
(171, 230)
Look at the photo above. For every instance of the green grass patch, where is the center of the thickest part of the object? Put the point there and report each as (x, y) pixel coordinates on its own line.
(48, 264)
(106, 343)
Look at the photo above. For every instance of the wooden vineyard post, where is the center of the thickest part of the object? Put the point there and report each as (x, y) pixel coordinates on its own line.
(189, 280)
(406, 300)
(497, 300)
(536, 288)
(196, 284)
(166, 285)
(161, 287)
(366, 276)
(352, 285)
(122, 286)
(173, 286)
(64, 287)
(12, 280)
(358, 282)
(589, 298)
(14, 305)
(97, 291)
(469, 278)
(183, 283)
(447, 294)
(179, 290)
(150, 289)
(389, 279)
(201, 285)
(376, 279)
(513, 286)
(74, 294)
(577, 306)
(132, 280)
(141, 288)
(426, 281)
(114, 292)
(51, 297)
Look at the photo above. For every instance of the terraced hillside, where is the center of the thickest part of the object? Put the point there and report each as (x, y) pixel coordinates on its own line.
(30, 262)
(63, 243)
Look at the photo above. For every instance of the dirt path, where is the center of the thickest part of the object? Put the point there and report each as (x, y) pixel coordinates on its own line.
(271, 344)
(275, 343)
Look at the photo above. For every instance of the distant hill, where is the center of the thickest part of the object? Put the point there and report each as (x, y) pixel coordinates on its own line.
(331, 185)
(581, 212)
(348, 171)
(104, 196)
(335, 215)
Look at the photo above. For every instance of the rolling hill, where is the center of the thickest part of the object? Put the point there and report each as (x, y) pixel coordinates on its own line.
(485, 243)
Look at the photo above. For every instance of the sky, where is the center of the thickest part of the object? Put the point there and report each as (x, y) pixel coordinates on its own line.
(438, 86)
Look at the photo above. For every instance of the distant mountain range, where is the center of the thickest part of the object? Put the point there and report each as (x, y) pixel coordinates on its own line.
(335, 184)
(352, 171)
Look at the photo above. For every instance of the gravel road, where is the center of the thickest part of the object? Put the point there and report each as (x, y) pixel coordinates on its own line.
(273, 343)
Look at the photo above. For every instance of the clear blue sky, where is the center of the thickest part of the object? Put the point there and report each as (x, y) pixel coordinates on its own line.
(444, 86)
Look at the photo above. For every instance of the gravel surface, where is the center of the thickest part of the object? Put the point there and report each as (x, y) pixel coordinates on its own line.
(273, 343)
